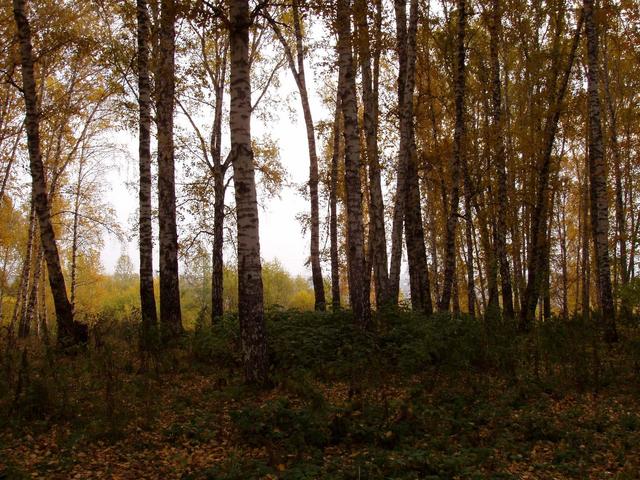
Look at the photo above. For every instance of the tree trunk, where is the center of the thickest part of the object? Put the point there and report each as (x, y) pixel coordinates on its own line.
(250, 290)
(31, 281)
(546, 297)
(358, 288)
(31, 312)
(296, 65)
(562, 226)
(43, 316)
(536, 258)
(333, 207)
(69, 331)
(316, 270)
(495, 29)
(377, 235)
(219, 173)
(7, 170)
(170, 313)
(3, 282)
(147, 295)
(414, 234)
(483, 297)
(598, 180)
(401, 174)
(586, 264)
(620, 216)
(458, 152)
(23, 284)
(455, 295)
(74, 235)
(297, 69)
(220, 169)
(469, 233)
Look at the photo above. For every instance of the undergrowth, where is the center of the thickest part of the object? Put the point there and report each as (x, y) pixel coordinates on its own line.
(414, 397)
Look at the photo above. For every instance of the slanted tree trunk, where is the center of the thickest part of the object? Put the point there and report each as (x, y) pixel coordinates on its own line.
(298, 71)
(333, 210)
(358, 287)
(495, 29)
(316, 270)
(170, 313)
(250, 290)
(147, 295)
(12, 158)
(377, 234)
(536, 258)
(69, 331)
(458, 152)
(598, 180)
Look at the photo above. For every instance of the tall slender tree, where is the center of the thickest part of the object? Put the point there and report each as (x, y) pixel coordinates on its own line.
(397, 226)
(333, 210)
(170, 312)
(358, 287)
(250, 289)
(414, 231)
(296, 65)
(495, 30)
(147, 295)
(458, 152)
(369, 68)
(219, 170)
(598, 178)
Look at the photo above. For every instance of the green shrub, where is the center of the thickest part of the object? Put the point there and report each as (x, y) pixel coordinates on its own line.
(282, 427)
(217, 344)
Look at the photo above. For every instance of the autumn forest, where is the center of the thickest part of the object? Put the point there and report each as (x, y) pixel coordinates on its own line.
(470, 302)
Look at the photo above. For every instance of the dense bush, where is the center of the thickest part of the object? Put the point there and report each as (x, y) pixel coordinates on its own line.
(330, 347)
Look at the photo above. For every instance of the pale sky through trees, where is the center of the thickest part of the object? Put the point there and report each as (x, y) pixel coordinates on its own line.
(280, 233)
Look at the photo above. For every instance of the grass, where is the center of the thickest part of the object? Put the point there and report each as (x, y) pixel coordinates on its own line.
(415, 398)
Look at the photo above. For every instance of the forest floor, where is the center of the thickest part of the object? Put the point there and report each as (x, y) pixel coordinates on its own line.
(397, 408)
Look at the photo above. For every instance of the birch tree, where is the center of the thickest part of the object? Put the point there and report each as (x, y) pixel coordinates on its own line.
(147, 295)
(69, 331)
(250, 288)
(358, 287)
(598, 178)
(170, 313)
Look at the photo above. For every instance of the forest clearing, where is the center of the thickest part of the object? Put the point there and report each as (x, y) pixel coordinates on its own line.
(248, 239)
